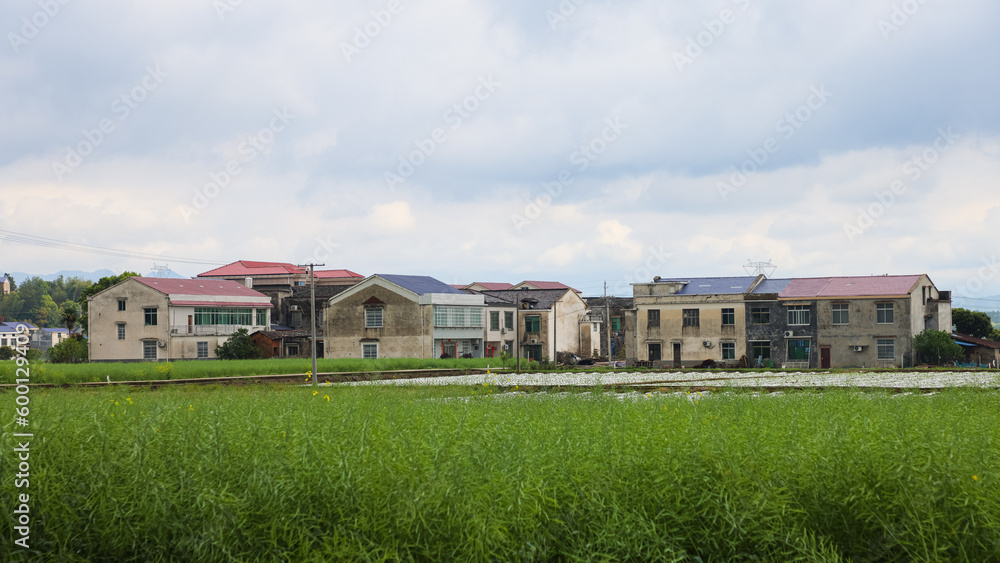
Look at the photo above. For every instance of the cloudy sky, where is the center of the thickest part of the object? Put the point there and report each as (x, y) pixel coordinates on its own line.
(500, 140)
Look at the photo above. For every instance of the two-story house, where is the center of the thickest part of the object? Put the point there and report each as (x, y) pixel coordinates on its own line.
(548, 321)
(404, 316)
(160, 319)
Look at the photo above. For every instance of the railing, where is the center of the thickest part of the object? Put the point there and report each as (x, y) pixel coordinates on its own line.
(206, 330)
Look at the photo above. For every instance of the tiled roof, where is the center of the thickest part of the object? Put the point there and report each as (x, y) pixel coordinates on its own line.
(493, 286)
(543, 297)
(336, 274)
(258, 304)
(225, 288)
(280, 334)
(713, 286)
(771, 286)
(977, 341)
(421, 285)
(856, 286)
(545, 285)
(248, 268)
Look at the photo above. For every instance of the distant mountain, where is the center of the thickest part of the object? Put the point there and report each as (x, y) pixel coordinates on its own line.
(92, 276)
(985, 304)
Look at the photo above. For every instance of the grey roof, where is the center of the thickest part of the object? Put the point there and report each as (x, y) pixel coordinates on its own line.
(495, 300)
(544, 297)
(322, 291)
(421, 285)
(772, 286)
(615, 302)
(713, 286)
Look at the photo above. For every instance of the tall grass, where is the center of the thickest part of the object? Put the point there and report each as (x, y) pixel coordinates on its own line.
(372, 473)
(142, 371)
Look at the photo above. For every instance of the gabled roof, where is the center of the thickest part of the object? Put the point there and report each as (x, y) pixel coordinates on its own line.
(421, 285)
(249, 268)
(544, 298)
(544, 285)
(218, 288)
(850, 286)
(713, 286)
(491, 286)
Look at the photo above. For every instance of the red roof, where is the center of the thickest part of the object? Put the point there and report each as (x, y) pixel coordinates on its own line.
(222, 288)
(248, 268)
(220, 304)
(336, 274)
(858, 286)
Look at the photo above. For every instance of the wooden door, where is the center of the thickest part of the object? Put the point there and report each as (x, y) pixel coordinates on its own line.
(677, 354)
(824, 357)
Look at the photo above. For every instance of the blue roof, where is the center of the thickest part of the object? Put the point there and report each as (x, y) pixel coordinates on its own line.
(421, 285)
(55, 330)
(714, 286)
(772, 286)
(13, 325)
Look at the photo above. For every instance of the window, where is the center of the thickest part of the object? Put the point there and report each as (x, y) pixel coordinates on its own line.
(373, 317)
(149, 349)
(691, 317)
(596, 325)
(121, 304)
(798, 350)
(760, 350)
(728, 350)
(222, 316)
(292, 350)
(616, 323)
(841, 314)
(494, 320)
(653, 317)
(369, 351)
(508, 320)
(150, 315)
(296, 319)
(884, 313)
(760, 316)
(458, 317)
(261, 317)
(533, 323)
(886, 349)
(728, 317)
(121, 331)
(798, 315)
(202, 350)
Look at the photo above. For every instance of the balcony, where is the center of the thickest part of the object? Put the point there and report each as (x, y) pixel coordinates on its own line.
(206, 330)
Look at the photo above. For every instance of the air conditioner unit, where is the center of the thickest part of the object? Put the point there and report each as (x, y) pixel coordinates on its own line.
(789, 334)
(707, 344)
(534, 341)
(161, 343)
(859, 348)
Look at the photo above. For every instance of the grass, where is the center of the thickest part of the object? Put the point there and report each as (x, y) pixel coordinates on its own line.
(371, 473)
(141, 371)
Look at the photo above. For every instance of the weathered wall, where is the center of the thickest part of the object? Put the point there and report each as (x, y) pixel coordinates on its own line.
(104, 318)
(406, 325)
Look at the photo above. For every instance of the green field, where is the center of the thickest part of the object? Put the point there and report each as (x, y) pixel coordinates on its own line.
(143, 371)
(267, 473)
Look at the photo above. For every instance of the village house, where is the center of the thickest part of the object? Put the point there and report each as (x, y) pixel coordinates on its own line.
(619, 309)
(160, 319)
(404, 316)
(45, 338)
(978, 351)
(548, 321)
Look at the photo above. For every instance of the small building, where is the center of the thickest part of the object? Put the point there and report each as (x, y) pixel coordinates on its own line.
(286, 343)
(160, 319)
(548, 321)
(404, 316)
(619, 310)
(5, 284)
(979, 351)
(46, 338)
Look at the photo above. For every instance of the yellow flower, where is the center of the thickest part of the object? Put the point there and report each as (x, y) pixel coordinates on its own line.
(315, 393)
(974, 478)
(327, 397)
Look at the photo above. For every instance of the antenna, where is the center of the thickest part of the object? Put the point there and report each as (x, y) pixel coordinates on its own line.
(757, 268)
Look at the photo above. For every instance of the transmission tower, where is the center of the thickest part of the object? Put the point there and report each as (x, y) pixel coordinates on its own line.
(757, 268)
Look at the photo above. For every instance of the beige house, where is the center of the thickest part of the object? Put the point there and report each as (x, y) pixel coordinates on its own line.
(547, 321)
(160, 319)
(401, 316)
(684, 322)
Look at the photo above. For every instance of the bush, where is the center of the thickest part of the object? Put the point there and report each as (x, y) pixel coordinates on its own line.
(70, 351)
(936, 346)
(238, 347)
(6, 352)
(33, 354)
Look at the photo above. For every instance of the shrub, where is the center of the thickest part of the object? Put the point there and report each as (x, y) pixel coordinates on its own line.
(238, 347)
(73, 350)
(6, 352)
(936, 346)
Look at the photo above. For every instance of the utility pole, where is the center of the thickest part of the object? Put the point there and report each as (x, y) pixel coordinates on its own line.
(312, 317)
(607, 320)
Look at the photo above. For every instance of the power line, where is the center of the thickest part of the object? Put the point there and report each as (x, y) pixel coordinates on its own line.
(45, 242)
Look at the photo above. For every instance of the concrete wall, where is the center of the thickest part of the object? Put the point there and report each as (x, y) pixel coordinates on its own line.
(104, 318)
(406, 325)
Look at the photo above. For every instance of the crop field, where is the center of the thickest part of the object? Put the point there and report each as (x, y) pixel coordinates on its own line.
(145, 371)
(476, 473)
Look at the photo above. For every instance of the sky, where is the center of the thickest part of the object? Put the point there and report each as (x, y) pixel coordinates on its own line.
(584, 141)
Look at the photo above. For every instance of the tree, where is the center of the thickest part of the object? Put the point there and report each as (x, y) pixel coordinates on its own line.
(96, 288)
(70, 314)
(6, 352)
(971, 323)
(936, 346)
(73, 350)
(238, 347)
